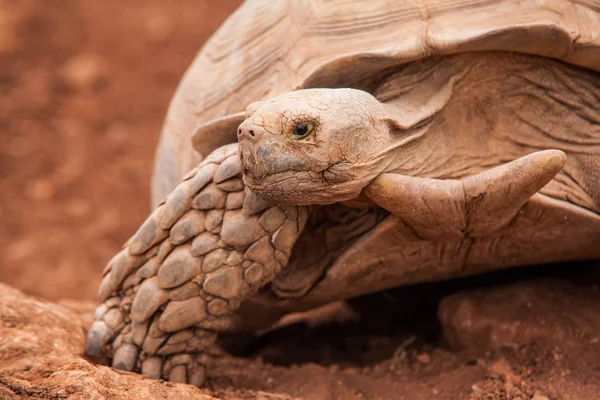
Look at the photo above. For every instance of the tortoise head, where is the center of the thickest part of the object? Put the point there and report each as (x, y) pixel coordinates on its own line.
(315, 146)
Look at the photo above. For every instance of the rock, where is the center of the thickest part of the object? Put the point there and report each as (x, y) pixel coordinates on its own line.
(30, 328)
(82, 380)
(42, 344)
(84, 309)
(518, 314)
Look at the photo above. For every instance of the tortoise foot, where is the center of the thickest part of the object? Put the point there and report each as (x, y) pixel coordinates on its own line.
(180, 356)
(181, 278)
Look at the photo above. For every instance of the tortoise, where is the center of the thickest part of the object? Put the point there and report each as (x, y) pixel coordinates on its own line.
(320, 150)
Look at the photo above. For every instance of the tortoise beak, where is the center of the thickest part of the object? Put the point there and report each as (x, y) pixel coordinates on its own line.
(249, 135)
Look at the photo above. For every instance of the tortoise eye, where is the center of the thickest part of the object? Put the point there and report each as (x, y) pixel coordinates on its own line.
(302, 130)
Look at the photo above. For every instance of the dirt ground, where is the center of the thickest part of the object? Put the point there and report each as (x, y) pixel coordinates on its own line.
(85, 86)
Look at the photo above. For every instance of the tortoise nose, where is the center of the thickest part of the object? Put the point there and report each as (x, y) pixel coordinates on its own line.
(249, 132)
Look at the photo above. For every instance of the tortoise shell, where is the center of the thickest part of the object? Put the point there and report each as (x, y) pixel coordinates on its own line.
(269, 47)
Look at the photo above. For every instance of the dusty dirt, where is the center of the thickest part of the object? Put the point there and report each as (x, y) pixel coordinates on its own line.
(85, 87)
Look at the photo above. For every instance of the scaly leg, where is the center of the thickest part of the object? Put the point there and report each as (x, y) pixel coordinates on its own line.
(179, 280)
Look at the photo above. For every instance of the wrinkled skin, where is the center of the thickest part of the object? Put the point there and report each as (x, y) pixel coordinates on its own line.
(347, 145)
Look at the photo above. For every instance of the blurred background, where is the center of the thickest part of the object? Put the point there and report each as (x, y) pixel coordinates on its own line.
(84, 89)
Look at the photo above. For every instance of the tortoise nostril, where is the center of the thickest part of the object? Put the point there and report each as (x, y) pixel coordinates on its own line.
(251, 133)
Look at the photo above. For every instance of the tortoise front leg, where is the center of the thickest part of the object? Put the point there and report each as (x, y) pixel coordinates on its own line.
(179, 280)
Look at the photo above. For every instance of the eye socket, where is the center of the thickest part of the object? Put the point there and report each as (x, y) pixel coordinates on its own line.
(302, 130)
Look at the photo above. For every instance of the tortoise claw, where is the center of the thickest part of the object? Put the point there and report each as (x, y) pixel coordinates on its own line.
(97, 338)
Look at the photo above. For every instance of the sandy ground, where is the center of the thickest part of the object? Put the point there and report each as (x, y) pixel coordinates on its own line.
(85, 87)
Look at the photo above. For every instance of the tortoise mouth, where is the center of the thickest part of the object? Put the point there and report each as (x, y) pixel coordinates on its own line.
(287, 188)
(256, 171)
(275, 172)
(271, 156)
(264, 182)
(288, 174)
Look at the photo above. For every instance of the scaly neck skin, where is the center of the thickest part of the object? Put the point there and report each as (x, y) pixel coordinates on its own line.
(508, 106)
(329, 232)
